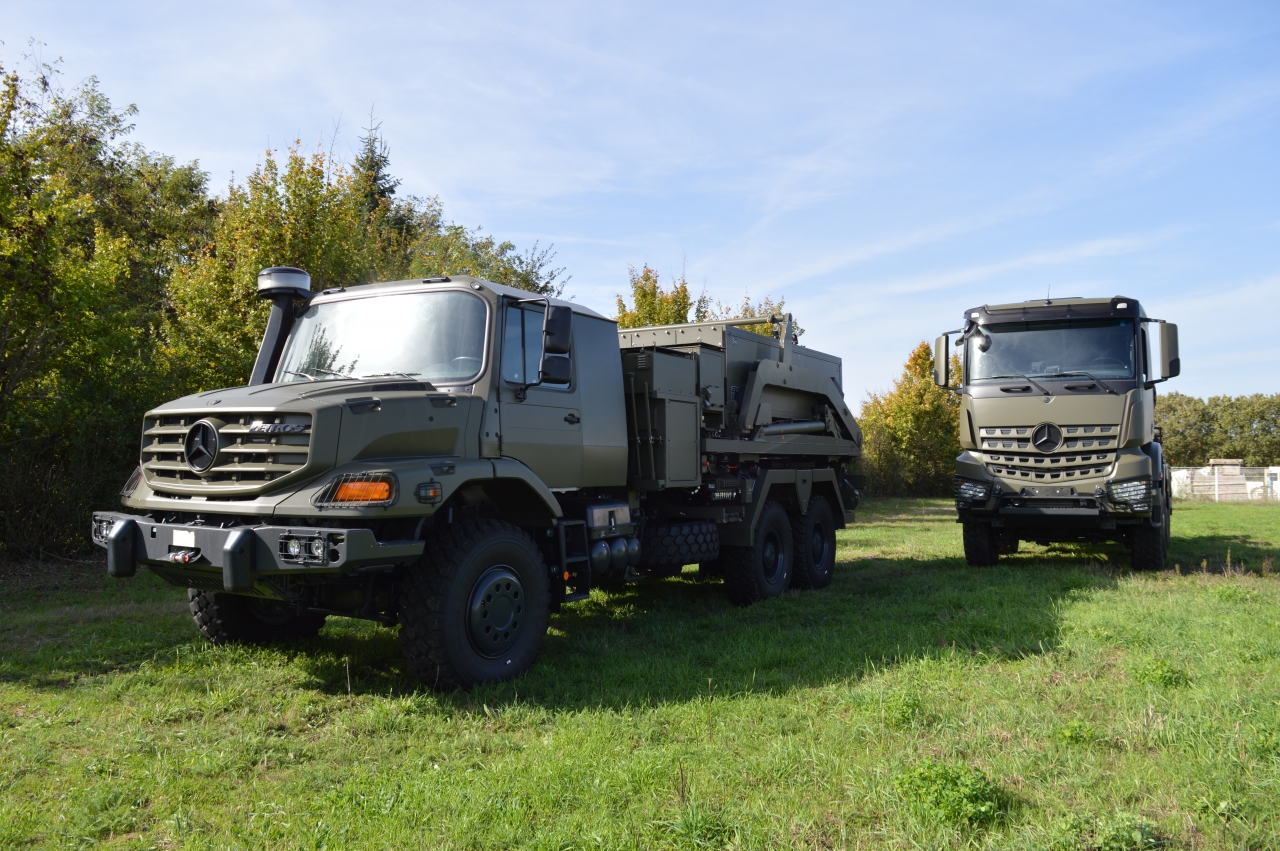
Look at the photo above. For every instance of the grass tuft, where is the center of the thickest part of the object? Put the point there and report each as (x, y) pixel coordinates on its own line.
(1157, 672)
(954, 792)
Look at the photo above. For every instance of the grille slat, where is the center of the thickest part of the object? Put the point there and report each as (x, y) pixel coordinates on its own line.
(253, 450)
(1085, 451)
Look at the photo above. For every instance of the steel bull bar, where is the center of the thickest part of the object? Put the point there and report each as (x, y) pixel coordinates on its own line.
(242, 553)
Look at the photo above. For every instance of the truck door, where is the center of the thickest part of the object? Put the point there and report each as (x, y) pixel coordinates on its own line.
(544, 429)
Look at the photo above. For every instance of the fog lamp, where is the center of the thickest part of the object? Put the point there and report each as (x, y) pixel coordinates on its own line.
(315, 548)
(293, 547)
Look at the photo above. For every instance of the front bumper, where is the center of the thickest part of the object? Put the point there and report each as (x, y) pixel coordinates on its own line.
(1076, 510)
(240, 555)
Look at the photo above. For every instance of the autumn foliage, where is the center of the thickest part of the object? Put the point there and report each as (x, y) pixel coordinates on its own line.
(910, 434)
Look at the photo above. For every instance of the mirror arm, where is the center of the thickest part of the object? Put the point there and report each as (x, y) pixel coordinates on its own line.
(522, 392)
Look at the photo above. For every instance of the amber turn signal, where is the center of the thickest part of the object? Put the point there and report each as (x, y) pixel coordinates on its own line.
(363, 492)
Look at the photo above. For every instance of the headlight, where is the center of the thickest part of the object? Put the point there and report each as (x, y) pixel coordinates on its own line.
(969, 489)
(358, 490)
(1134, 490)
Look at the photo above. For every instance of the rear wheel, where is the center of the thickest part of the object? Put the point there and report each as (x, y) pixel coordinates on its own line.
(763, 569)
(474, 608)
(814, 545)
(980, 546)
(235, 619)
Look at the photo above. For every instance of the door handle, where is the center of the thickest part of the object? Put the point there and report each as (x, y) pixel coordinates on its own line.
(572, 419)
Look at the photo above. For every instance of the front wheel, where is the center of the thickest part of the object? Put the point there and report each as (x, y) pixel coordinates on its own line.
(234, 619)
(1148, 547)
(474, 608)
(981, 549)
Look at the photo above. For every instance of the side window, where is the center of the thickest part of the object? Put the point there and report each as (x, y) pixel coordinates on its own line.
(522, 345)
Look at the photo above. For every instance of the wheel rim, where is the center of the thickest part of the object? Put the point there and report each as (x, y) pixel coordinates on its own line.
(772, 557)
(496, 611)
(818, 548)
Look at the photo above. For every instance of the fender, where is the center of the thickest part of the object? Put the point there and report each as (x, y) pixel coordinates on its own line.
(801, 484)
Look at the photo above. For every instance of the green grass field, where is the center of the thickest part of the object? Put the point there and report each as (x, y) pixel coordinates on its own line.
(1056, 701)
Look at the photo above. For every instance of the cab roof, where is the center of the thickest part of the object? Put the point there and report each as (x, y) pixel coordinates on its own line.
(448, 282)
(1039, 310)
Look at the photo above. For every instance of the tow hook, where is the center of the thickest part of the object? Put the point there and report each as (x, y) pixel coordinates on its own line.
(184, 556)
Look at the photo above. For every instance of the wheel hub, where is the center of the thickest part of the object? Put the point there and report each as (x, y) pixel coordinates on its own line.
(818, 546)
(496, 611)
(771, 554)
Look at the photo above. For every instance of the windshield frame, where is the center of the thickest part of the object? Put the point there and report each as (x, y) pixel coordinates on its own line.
(389, 293)
(1139, 366)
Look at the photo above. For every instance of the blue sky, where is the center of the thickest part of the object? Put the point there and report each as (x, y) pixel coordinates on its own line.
(882, 166)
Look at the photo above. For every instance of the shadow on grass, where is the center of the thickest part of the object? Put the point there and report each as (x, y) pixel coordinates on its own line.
(655, 642)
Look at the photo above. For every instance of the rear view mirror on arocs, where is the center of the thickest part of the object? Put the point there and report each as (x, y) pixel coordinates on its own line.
(941, 361)
(558, 330)
(1170, 365)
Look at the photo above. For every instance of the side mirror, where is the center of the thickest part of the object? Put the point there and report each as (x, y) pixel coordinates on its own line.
(1170, 365)
(557, 330)
(554, 369)
(941, 361)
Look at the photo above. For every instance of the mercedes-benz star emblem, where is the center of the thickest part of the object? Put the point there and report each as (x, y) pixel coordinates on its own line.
(201, 446)
(1047, 437)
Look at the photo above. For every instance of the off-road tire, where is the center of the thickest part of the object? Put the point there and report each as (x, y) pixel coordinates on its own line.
(441, 589)
(1148, 547)
(753, 573)
(814, 545)
(235, 619)
(981, 549)
(665, 548)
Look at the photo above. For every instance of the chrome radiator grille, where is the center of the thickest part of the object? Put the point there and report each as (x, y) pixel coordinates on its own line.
(252, 450)
(1083, 451)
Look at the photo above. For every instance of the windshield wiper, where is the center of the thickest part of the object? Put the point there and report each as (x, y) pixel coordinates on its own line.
(385, 374)
(303, 374)
(1023, 377)
(332, 372)
(1100, 382)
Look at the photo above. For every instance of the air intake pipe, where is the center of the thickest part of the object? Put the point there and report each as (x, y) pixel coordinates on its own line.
(283, 285)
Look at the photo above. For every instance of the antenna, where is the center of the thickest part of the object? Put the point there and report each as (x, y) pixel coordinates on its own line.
(1048, 289)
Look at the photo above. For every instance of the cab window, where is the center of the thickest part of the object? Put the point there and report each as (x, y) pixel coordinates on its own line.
(522, 344)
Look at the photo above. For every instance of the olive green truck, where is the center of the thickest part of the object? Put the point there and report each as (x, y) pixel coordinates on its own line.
(1057, 426)
(461, 458)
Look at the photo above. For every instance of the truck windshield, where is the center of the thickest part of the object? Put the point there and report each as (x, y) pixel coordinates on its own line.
(1103, 348)
(434, 336)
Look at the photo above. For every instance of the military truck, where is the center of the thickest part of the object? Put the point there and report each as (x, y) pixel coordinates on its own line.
(1057, 426)
(461, 458)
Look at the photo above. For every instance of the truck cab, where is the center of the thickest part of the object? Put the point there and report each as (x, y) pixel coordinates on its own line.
(1057, 425)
